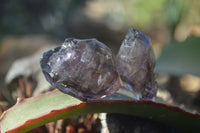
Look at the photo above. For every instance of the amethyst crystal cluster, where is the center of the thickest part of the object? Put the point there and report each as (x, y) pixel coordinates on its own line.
(85, 68)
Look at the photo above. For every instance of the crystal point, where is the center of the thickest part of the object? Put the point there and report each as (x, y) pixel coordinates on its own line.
(135, 63)
(81, 68)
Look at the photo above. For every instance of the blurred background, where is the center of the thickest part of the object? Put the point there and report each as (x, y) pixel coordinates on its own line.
(29, 27)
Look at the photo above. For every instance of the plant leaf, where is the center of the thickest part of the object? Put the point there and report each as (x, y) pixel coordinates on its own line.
(180, 58)
(36, 111)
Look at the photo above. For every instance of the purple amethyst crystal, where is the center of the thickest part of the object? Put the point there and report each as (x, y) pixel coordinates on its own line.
(81, 68)
(135, 63)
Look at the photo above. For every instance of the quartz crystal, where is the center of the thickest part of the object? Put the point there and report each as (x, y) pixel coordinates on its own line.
(135, 63)
(81, 68)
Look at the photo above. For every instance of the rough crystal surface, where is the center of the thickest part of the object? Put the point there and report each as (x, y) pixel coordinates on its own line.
(135, 63)
(81, 68)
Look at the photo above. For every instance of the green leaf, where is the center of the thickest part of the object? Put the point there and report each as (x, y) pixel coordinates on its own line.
(180, 58)
(36, 111)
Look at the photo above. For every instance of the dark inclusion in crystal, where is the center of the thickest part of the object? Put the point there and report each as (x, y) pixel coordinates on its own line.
(135, 63)
(81, 68)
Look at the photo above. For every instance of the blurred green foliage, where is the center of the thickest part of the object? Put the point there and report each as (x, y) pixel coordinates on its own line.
(35, 16)
(180, 58)
(142, 12)
(174, 10)
(53, 17)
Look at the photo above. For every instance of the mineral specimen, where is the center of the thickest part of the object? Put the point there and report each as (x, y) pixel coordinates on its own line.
(81, 68)
(135, 62)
